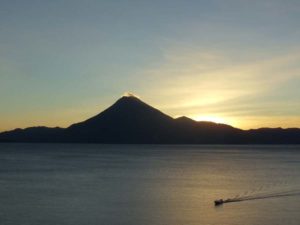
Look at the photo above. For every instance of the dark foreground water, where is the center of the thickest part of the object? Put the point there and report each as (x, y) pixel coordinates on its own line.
(48, 184)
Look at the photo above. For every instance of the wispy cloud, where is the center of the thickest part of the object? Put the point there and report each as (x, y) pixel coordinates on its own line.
(214, 83)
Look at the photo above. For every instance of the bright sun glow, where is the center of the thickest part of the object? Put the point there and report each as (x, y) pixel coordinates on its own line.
(214, 119)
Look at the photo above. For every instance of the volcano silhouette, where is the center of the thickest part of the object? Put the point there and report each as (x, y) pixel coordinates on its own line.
(131, 121)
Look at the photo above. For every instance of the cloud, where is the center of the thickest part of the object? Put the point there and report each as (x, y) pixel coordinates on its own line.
(129, 94)
(191, 82)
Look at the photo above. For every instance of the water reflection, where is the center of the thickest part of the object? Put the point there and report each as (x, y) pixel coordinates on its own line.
(103, 184)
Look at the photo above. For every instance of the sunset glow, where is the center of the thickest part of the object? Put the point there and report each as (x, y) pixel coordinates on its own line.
(233, 61)
(210, 119)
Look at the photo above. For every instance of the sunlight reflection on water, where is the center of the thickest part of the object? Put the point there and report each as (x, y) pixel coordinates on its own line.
(123, 184)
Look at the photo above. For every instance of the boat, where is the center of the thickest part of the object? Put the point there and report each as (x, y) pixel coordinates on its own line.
(219, 202)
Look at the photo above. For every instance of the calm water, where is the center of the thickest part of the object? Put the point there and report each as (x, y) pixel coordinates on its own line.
(48, 184)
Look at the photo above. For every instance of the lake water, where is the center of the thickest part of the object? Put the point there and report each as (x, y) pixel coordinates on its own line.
(65, 184)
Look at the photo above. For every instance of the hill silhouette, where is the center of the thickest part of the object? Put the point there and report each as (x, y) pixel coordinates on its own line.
(131, 121)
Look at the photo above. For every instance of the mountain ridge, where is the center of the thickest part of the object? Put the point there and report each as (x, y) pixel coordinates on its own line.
(131, 121)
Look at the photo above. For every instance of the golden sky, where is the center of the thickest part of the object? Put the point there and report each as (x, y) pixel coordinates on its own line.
(234, 61)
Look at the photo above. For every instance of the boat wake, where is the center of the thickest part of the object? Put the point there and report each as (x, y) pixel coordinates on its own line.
(247, 196)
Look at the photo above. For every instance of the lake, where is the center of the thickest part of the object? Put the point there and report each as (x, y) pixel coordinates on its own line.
(66, 184)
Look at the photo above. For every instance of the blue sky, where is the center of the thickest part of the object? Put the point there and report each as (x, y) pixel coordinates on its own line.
(236, 62)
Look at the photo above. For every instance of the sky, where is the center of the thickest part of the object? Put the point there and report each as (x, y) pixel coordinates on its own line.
(233, 61)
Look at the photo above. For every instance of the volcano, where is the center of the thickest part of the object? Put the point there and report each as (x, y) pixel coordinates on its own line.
(131, 121)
